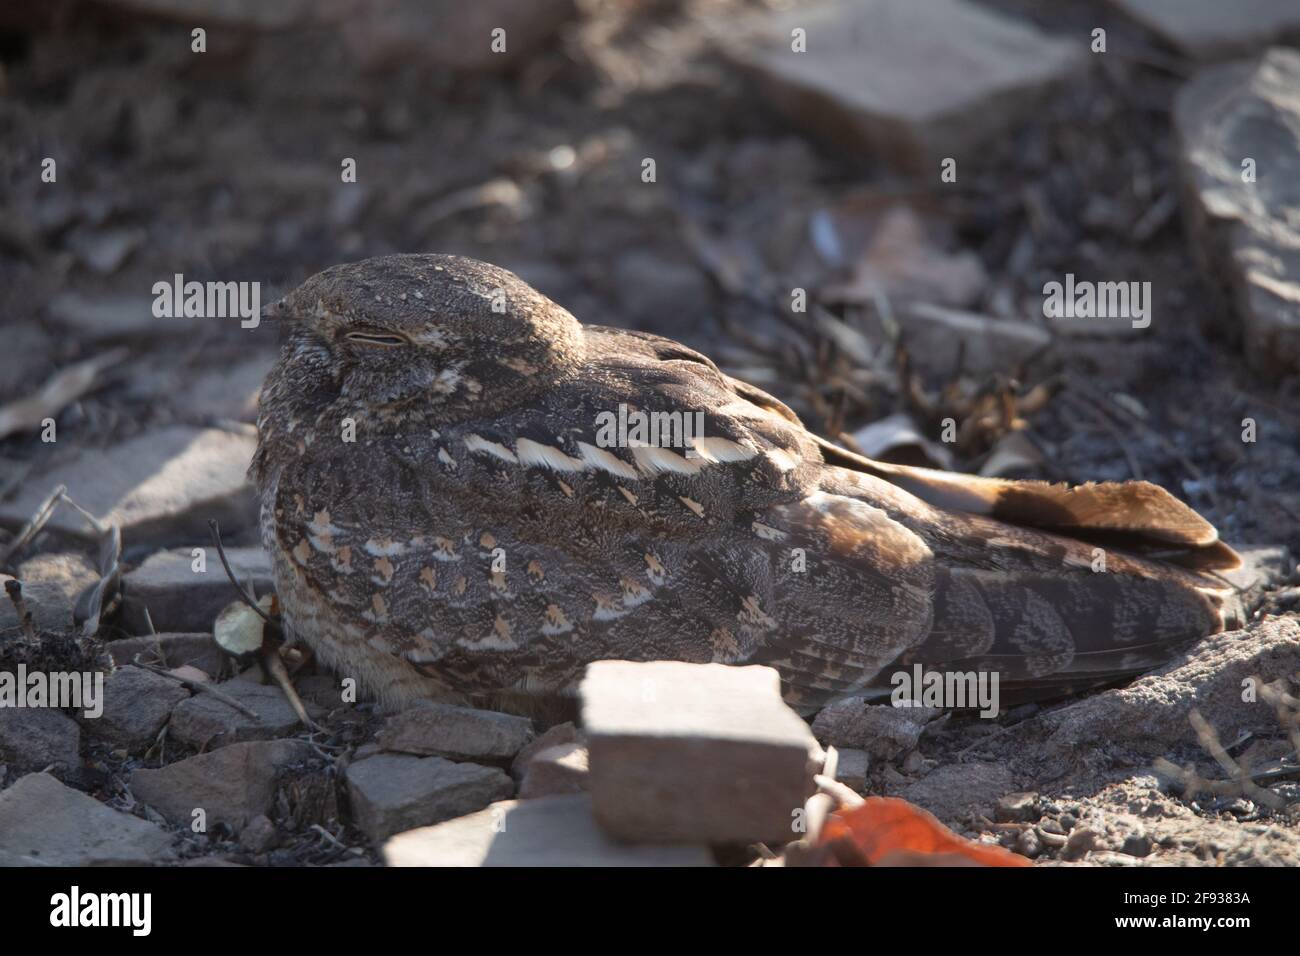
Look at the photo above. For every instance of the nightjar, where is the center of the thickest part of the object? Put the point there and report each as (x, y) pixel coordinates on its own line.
(467, 493)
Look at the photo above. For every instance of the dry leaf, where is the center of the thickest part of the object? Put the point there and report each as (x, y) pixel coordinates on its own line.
(887, 831)
(238, 629)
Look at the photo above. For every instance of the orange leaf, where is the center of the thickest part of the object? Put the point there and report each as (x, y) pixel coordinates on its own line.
(887, 831)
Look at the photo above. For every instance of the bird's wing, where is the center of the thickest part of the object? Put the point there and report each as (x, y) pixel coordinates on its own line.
(1055, 587)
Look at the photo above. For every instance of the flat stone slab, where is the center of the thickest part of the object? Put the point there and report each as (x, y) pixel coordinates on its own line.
(550, 831)
(1246, 235)
(137, 704)
(910, 82)
(694, 753)
(170, 651)
(1214, 29)
(180, 598)
(232, 785)
(34, 738)
(51, 585)
(459, 733)
(44, 822)
(956, 789)
(207, 722)
(882, 730)
(395, 792)
(160, 487)
(555, 770)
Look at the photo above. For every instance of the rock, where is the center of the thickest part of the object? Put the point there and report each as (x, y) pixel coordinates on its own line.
(103, 317)
(395, 792)
(228, 392)
(913, 83)
(952, 791)
(445, 33)
(258, 835)
(232, 785)
(940, 338)
(46, 823)
(550, 831)
(554, 771)
(206, 722)
(1135, 844)
(51, 585)
(564, 733)
(104, 251)
(1149, 717)
(181, 599)
(1209, 29)
(658, 293)
(1017, 808)
(1244, 234)
(242, 14)
(34, 738)
(1263, 567)
(694, 753)
(903, 263)
(137, 704)
(882, 730)
(170, 650)
(160, 487)
(460, 733)
(853, 767)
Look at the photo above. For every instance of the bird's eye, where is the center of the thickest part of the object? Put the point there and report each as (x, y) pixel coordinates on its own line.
(373, 337)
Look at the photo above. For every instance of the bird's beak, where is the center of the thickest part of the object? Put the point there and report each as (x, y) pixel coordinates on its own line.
(277, 312)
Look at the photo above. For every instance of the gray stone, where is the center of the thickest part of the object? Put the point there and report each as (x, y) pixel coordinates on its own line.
(160, 487)
(137, 704)
(1263, 567)
(101, 317)
(882, 730)
(1019, 807)
(460, 733)
(44, 822)
(694, 753)
(34, 738)
(1212, 29)
(181, 599)
(258, 835)
(51, 585)
(170, 651)
(1150, 716)
(395, 792)
(446, 33)
(660, 293)
(910, 82)
(207, 722)
(853, 767)
(228, 391)
(564, 733)
(551, 831)
(556, 770)
(241, 14)
(231, 785)
(1246, 235)
(953, 791)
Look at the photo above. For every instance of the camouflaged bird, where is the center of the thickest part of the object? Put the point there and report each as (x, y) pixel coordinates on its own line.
(477, 537)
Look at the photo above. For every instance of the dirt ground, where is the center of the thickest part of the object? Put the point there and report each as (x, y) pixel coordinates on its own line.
(227, 166)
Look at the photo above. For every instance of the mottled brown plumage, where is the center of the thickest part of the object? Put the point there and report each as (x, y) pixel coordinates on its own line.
(476, 538)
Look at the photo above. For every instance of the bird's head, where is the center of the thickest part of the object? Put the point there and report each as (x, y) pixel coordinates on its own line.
(442, 336)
